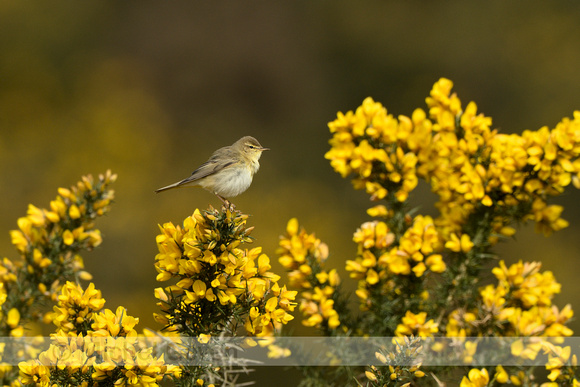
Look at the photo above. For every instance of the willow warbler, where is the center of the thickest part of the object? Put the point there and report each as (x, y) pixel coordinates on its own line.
(229, 170)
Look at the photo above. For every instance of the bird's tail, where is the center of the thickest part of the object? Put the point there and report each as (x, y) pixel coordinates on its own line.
(189, 182)
(174, 185)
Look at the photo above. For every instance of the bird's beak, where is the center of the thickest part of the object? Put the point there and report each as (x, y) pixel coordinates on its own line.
(264, 149)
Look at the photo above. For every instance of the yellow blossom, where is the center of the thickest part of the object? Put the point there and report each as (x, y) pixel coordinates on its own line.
(13, 318)
(68, 237)
(370, 376)
(416, 324)
(475, 378)
(501, 375)
(435, 263)
(456, 244)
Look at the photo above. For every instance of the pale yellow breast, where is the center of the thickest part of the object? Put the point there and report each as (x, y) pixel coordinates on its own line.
(229, 182)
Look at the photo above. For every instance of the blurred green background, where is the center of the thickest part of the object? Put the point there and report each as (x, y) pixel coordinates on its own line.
(151, 89)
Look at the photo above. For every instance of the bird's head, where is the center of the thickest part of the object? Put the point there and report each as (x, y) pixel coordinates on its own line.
(250, 148)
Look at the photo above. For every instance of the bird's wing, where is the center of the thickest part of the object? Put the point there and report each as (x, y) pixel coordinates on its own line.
(208, 168)
(211, 166)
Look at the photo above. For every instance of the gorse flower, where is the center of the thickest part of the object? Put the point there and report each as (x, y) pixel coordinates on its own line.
(360, 145)
(419, 275)
(527, 283)
(93, 346)
(300, 251)
(219, 288)
(76, 309)
(561, 365)
(416, 325)
(521, 303)
(475, 378)
(406, 370)
(467, 164)
(303, 256)
(386, 262)
(217, 283)
(49, 242)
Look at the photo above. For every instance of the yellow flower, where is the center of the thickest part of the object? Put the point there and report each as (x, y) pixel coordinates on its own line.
(374, 234)
(416, 324)
(359, 144)
(74, 212)
(76, 306)
(378, 211)
(68, 237)
(294, 250)
(277, 352)
(199, 292)
(475, 378)
(455, 244)
(501, 376)
(419, 269)
(371, 376)
(435, 263)
(13, 318)
(547, 217)
(493, 297)
(397, 262)
(115, 324)
(36, 216)
(318, 308)
(459, 323)
(203, 338)
(32, 372)
(204, 258)
(373, 277)
(527, 283)
(418, 241)
(19, 240)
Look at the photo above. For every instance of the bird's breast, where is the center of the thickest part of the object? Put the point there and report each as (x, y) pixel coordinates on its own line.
(232, 181)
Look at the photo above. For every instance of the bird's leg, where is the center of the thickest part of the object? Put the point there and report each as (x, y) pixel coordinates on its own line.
(224, 200)
(229, 205)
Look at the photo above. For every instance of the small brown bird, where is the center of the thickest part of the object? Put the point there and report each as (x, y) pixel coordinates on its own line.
(229, 170)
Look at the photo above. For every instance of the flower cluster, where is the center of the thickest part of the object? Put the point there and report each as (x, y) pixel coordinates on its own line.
(92, 346)
(455, 162)
(467, 164)
(47, 237)
(406, 369)
(217, 283)
(562, 366)
(522, 301)
(49, 242)
(380, 257)
(515, 174)
(519, 305)
(419, 275)
(416, 325)
(375, 147)
(460, 323)
(303, 256)
(76, 308)
(389, 259)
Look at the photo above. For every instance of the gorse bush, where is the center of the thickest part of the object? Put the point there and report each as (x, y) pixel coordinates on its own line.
(420, 276)
(417, 277)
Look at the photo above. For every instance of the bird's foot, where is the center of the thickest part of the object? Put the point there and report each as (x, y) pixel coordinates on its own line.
(227, 204)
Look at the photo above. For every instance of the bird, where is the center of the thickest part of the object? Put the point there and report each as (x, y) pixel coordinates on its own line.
(228, 172)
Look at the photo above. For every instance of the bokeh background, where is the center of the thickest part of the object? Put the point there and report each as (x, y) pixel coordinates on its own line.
(151, 89)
